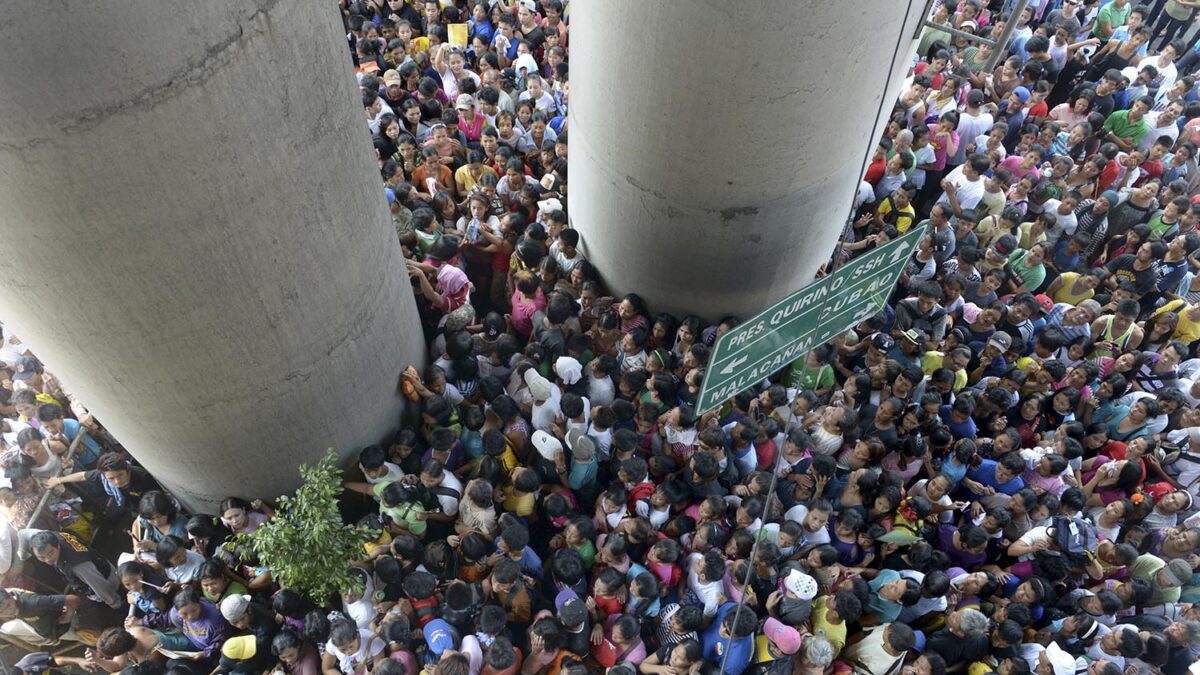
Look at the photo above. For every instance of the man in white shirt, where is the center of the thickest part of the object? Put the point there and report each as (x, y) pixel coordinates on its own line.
(375, 108)
(9, 429)
(546, 396)
(601, 390)
(964, 185)
(971, 123)
(1162, 124)
(1165, 64)
(445, 486)
(375, 467)
(925, 604)
(704, 575)
(491, 78)
(1065, 221)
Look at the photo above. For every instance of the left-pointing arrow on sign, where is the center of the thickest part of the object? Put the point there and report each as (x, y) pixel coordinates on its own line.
(728, 369)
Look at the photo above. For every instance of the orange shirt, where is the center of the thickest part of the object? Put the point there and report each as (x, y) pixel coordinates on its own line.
(444, 177)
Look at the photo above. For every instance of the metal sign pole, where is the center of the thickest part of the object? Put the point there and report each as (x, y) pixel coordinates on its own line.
(1010, 25)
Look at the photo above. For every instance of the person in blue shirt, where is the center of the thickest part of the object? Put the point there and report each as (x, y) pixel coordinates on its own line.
(54, 424)
(957, 417)
(909, 347)
(993, 476)
(991, 361)
(1068, 251)
(1136, 18)
(513, 543)
(504, 38)
(723, 634)
(480, 24)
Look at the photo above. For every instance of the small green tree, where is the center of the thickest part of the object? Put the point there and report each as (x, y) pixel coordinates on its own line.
(306, 545)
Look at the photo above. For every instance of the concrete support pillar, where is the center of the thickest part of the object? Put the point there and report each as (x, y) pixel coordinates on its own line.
(196, 239)
(716, 146)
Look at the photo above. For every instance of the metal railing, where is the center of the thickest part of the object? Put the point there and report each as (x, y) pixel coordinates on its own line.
(60, 647)
(66, 460)
(999, 45)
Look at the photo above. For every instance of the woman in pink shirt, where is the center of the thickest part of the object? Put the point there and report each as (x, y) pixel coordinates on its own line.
(527, 300)
(944, 140)
(1026, 164)
(470, 122)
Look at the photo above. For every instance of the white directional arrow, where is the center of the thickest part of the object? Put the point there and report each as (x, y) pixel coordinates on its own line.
(728, 369)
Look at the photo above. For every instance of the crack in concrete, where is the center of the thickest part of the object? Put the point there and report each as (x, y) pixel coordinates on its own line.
(726, 214)
(649, 191)
(793, 92)
(735, 212)
(194, 72)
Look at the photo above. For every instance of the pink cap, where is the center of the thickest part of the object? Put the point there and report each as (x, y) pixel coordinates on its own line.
(783, 636)
(970, 311)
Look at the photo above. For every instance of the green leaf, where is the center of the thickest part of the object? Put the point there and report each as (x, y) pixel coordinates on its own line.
(305, 544)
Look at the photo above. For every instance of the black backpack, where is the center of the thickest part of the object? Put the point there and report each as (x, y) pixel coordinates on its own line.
(1075, 538)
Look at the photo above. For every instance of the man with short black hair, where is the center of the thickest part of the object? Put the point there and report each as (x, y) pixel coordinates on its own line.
(964, 186)
(731, 631)
(83, 572)
(883, 649)
(922, 312)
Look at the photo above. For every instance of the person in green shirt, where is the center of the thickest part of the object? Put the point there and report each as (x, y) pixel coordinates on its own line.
(215, 583)
(428, 229)
(941, 16)
(812, 373)
(399, 502)
(1167, 218)
(1111, 17)
(578, 536)
(1167, 578)
(1028, 267)
(1126, 128)
(401, 218)
(832, 613)
(890, 594)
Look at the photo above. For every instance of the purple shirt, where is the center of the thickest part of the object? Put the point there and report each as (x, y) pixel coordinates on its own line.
(207, 632)
(958, 557)
(452, 461)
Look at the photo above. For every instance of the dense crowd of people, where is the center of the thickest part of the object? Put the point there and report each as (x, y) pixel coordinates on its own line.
(992, 475)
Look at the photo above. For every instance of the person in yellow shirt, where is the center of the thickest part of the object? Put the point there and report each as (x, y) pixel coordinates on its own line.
(1075, 287)
(955, 360)
(1188, 328)
(896, 209)
(520, 498)
(1034, 231)
(832, 613)
(991, 228)
(497, 446)
(468, 175)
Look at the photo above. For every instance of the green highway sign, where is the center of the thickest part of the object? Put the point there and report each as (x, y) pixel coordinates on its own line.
(792, 327)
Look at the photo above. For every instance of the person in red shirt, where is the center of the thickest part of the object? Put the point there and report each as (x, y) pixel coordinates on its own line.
(1038, 109)
(878, 163)
(934, 69)
(1112, 168)
(1152, 168)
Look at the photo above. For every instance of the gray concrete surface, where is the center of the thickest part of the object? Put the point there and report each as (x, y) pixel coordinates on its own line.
(197, 242)
(716, 146)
